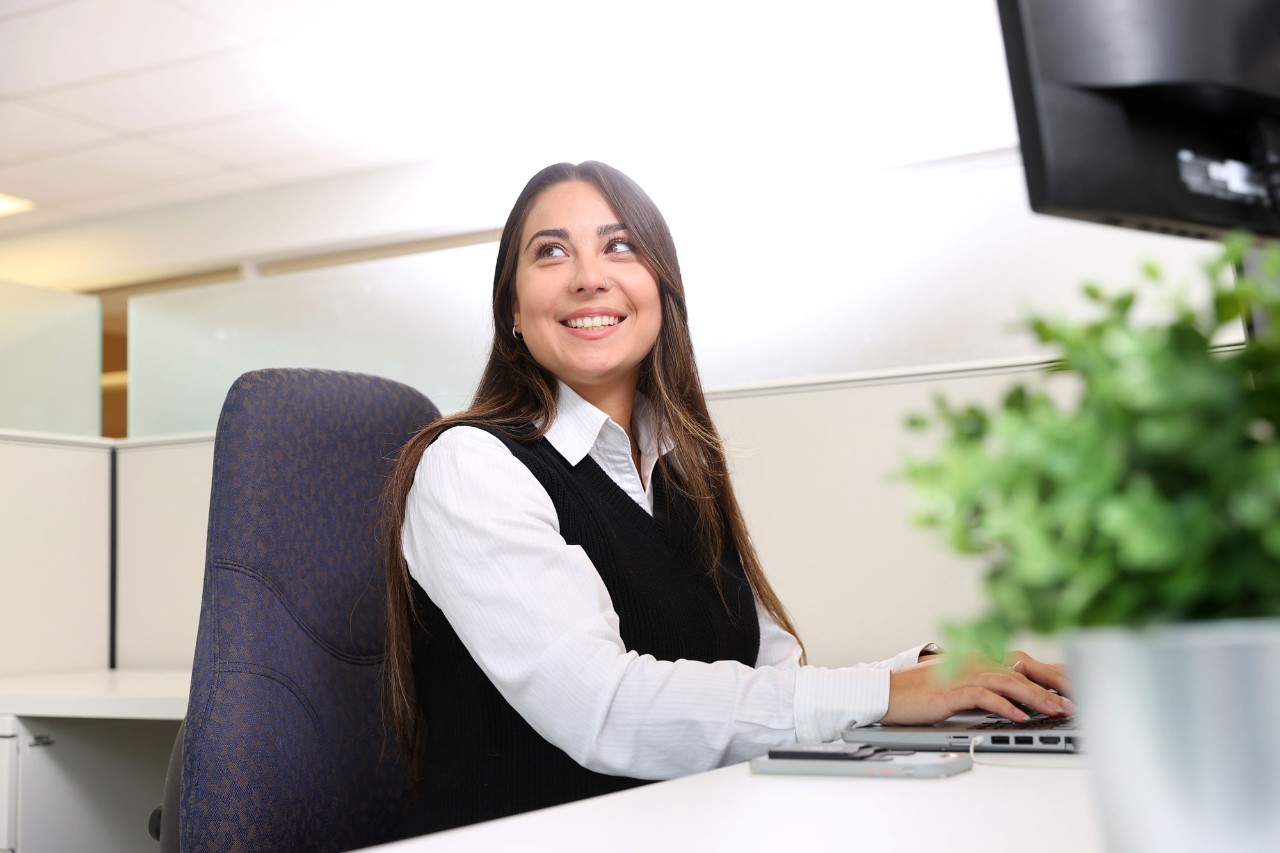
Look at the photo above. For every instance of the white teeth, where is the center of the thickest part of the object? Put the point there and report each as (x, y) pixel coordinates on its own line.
(592, 322)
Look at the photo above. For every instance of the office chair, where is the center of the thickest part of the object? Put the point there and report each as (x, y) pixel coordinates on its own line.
(283, 746)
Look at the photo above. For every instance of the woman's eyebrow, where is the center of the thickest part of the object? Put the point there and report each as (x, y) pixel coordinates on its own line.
(563, 234)
(558, 233)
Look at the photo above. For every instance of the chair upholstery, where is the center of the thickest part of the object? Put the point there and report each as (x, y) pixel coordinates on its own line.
(284, 747)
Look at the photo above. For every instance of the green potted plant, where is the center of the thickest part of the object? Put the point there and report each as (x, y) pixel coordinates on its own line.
(1141, 517)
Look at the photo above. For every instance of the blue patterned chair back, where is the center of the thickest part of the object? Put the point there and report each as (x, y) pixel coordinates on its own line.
(284, 745)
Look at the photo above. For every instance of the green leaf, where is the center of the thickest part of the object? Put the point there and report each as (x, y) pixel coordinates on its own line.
(1226, 306)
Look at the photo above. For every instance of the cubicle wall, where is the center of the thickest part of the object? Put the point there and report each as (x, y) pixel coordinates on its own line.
(55, 552)
(813, 470)
(162, 513)
(817, 474)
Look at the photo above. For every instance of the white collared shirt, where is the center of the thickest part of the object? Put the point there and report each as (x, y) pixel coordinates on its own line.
(482, 538)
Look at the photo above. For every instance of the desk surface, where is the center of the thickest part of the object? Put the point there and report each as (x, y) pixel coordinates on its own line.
(133, 694)
(1039, 803)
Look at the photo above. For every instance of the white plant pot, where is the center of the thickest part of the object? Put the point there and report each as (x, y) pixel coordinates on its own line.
(1182, 727)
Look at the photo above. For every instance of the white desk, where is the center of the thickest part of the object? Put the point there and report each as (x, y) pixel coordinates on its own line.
(1005, 805)
(105, 694)
(83, 757)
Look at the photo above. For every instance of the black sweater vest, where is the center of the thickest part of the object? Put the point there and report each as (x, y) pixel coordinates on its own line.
(482, 759)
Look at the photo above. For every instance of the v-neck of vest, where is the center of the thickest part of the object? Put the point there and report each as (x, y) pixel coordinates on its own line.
(614, 497)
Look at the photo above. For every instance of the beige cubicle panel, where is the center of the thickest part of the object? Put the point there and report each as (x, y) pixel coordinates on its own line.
(55, 569)
(162, 514)
(815, 472)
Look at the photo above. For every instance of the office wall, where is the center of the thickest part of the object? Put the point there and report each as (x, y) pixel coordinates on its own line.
(162, 515)
(935, 267)
(816, 474)
(813, 471)
(55, 538)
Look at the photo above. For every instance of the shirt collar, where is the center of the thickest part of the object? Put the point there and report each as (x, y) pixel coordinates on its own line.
(577, 426)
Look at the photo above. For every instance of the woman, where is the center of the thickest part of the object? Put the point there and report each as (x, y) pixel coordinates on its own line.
(575, 605)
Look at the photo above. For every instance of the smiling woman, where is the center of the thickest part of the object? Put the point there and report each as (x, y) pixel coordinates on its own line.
(574, 603)
(586, 303)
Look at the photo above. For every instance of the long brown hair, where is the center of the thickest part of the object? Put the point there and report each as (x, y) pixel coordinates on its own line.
(518, 396)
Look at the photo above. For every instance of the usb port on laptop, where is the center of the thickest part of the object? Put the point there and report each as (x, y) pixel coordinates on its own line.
(1000, 740)
(1024, 740)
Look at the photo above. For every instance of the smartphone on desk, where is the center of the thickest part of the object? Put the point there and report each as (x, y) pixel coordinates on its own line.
(842, 758)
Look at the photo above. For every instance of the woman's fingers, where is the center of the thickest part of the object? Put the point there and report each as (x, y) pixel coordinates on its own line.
(1050, 675)
(1014, 686)
(987, 700)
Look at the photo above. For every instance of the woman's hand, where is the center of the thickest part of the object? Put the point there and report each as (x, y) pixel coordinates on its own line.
(920, 694)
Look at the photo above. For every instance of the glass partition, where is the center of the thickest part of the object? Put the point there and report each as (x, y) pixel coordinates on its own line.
(931, 269)
(420, 319)
(50, 360)
(896, 272)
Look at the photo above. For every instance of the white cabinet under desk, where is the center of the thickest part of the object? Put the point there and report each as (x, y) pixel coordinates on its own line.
(83, 757)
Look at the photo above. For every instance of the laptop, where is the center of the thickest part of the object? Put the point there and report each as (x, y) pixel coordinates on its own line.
(956, 733)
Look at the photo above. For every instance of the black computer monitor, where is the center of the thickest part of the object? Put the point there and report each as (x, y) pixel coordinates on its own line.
(1162, 115)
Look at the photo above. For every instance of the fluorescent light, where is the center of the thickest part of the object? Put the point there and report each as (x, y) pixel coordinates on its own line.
(10, 204)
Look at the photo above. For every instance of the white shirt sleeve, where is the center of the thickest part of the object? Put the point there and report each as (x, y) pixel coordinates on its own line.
(482, 538)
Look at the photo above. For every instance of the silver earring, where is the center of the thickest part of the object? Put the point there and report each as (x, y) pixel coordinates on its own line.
(515, 333)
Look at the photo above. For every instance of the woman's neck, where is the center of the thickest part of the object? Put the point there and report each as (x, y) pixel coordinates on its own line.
(618, 402)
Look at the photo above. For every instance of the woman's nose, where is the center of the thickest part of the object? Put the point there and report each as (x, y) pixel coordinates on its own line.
(589, 276)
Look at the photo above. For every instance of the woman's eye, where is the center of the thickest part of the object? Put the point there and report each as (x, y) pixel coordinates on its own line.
(620, 245)
(550, 250)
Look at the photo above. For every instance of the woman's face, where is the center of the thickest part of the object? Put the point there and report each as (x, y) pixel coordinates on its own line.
(586, 303)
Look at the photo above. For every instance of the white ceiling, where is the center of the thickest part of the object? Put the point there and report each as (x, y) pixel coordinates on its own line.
(113, 105)
(110, 105)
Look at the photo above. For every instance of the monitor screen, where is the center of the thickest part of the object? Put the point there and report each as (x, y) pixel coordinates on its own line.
(1162, 115)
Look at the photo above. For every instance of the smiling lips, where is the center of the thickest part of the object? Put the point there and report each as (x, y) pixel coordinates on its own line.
(596, 322)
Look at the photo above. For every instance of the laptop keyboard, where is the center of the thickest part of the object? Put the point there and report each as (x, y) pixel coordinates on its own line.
(1038, 722)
